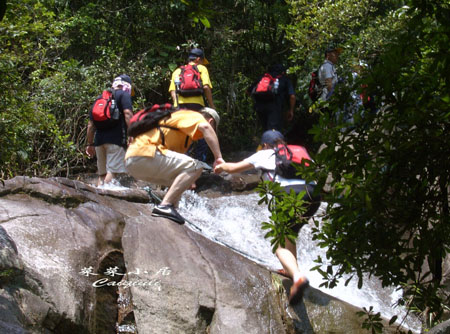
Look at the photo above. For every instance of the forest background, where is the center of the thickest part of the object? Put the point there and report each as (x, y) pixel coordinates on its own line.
(388, 167)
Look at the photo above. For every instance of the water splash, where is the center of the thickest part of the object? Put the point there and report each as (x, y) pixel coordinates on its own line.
(113, 185)
(236, 222)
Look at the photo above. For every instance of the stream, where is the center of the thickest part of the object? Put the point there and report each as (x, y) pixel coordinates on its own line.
(235, 222)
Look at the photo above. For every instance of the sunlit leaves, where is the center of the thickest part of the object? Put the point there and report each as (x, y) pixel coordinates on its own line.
(387, 168)
(286, 210)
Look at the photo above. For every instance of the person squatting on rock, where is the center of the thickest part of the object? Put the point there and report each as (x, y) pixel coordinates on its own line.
(109, 143)
(191, 97)
(264, 160)
(270, 110)
(157, 156)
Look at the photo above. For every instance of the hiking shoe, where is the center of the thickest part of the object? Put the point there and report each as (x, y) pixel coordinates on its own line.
(297, 290)
(169, 212)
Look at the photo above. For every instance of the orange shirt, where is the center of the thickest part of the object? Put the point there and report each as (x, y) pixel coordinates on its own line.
(185, 121)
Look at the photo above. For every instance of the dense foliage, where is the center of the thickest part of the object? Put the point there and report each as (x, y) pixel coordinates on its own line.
(386, 165)
(57, 56)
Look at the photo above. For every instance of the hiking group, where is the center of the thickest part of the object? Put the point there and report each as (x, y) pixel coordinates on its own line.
(157, 144)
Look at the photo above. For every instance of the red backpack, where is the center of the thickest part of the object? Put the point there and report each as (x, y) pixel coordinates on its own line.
(267, 87)
(148, 118)
(189, 82)
(105, 112)
(315, 88)
(286, 157)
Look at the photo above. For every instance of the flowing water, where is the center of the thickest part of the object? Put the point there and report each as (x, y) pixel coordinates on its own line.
(235, 222)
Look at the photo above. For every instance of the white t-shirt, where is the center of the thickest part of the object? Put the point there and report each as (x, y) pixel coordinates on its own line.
(264, 161)
(326, 71)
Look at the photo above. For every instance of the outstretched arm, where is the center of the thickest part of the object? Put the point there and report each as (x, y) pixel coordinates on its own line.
(213, 142)
(233, 167)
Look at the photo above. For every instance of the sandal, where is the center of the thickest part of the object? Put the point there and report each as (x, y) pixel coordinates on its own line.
(297, 290)
(283, 272)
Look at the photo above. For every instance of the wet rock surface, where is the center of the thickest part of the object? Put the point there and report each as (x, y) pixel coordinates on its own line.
(443, 328)
(198, 284)
(78, 259)
(59, 238)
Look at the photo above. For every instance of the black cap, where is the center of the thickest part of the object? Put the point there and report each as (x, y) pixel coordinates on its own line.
(197, 53)
(126, 78)
(271, 137)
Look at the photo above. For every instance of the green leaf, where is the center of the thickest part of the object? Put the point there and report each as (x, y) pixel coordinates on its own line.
(205, 22)
(393, 319)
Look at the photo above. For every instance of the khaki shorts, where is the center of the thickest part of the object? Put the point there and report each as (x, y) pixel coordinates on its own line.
(110, 158)
(161, 169)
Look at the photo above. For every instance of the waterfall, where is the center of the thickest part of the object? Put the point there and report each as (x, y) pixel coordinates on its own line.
(235, 222)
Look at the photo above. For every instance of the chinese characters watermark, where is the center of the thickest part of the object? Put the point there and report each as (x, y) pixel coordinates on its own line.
(153, 279)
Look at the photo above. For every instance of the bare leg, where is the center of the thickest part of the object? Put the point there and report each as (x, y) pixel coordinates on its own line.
(101, 180)
(181, 183)
(109, 176)
(288, 258)
(105, 178)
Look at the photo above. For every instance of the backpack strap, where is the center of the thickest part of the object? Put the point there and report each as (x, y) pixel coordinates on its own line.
(163, 141)
(172, 128)
(277, 153)
(268, 171)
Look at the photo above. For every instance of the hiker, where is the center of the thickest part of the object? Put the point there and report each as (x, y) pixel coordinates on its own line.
(109, 142)
(328, 77)
(264, 160)
(188, 98)
(190, 94)
(270, 107)
(157, 156)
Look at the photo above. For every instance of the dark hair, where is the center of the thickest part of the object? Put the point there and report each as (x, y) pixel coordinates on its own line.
(332, 49)
(277, 68)
(277, 142)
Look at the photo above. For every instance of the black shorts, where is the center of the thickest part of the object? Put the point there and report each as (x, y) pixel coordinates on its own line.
(313, 203)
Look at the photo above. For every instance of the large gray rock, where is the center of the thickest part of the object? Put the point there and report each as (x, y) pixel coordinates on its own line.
(78, 259)
(201, 285)
(53, 230)
(443, 328)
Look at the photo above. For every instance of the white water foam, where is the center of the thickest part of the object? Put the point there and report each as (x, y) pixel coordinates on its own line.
(113, 185)
(236, 222)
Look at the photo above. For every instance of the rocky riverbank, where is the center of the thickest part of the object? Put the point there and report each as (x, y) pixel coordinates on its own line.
(78, 259)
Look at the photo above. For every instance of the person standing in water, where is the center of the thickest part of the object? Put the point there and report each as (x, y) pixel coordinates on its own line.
(264, 160)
